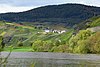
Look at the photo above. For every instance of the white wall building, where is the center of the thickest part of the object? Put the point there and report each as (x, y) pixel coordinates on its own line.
(47, 31)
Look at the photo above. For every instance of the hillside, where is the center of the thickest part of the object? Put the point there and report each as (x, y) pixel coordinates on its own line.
(14, 33)
(95, 22)
(68, 14)
(89, 23)
(33, 37)
(23, 36)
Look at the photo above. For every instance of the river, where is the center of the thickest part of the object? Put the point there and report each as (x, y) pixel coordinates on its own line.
(45, 59)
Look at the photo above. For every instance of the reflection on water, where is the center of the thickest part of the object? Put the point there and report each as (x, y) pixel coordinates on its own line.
(51, 63)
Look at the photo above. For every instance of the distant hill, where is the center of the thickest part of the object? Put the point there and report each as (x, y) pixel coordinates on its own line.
(69, 14)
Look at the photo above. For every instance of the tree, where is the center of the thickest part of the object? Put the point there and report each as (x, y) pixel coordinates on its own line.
(82, 47)
(44, 46)
(78, 43)
(94, 43)
(60, 48)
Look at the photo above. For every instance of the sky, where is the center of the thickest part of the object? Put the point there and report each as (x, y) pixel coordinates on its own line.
(24, 5)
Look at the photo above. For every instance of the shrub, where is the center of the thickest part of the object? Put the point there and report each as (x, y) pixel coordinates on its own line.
(82, 47)
(40, 45)
(78, 43)
(20, 44)
(94, 43)
(61, 48)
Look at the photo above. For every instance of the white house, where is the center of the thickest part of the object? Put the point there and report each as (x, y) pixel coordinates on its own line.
(59, 31)
(47, 31)
(54, 31)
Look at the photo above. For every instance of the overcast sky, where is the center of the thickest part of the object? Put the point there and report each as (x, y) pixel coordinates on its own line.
(24, 5)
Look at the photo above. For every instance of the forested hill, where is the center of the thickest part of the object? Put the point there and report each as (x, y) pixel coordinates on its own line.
(70, 14)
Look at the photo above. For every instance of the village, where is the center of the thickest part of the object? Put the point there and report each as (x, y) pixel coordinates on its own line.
(47, 30)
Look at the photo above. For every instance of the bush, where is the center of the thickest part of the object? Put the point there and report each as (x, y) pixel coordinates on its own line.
(89, 45)
(78, 43)
(82, 47)
(61, 48)
(20, 44)
(94, 43)
(40, 45)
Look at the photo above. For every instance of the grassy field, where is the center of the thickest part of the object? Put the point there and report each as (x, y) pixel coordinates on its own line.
(18, 49)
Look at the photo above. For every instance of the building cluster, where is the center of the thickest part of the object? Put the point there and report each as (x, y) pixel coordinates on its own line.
(54, 31)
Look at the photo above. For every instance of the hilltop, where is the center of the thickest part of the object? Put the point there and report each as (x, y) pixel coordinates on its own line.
(67, 14)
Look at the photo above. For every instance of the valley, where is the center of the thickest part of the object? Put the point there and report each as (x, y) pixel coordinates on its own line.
(21, 36)
(59, 30)
(42, 37)
(64, 35)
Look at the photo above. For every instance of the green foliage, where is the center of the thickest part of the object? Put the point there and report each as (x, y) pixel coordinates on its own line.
(95, 22)
(61, 48)
(77, 43)
(49, 46)
(44, 46)
(52, 42)
(85, 42)
(21, 36)
(83, 34)
(82, 47)
(1, 43)
(20, 44)
(91, 22)
(94, 43)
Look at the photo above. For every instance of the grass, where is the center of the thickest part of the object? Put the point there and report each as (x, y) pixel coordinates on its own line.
(95, 21)
(18, 49)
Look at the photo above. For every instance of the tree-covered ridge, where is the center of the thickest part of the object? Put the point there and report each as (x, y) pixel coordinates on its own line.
(69, 14)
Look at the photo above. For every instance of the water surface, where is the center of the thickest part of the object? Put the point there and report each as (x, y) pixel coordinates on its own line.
(41, 59)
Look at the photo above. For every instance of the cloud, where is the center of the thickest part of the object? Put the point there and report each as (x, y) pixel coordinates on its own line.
(46, 2)
(6, 8)
(30, 2)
